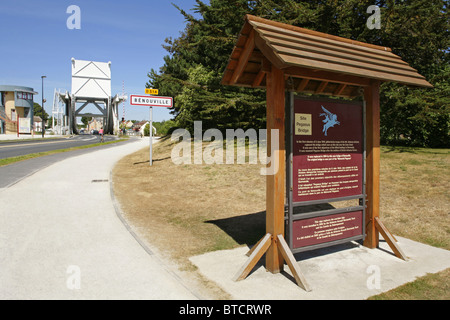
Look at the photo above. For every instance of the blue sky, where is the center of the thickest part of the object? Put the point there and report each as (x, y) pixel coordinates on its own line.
(35, 41)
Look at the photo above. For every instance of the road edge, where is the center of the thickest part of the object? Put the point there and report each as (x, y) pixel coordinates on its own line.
(149, 251)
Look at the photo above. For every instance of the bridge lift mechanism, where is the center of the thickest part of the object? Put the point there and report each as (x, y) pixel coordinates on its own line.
(91, 85)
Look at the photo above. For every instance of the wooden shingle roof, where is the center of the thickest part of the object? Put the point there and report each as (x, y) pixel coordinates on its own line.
(316, 62)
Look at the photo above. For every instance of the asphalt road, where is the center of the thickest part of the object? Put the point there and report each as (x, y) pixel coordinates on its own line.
(20, 148)
(15, 172)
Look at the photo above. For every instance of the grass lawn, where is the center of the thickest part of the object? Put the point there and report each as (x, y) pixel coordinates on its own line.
(187, 210)
(415, 194)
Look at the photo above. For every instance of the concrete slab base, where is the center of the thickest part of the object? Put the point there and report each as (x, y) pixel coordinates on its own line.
(345, 272)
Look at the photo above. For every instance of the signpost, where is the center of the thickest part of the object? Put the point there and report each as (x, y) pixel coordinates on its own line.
(323, 157)
(151, 101)
(326, 164)
(24, 125)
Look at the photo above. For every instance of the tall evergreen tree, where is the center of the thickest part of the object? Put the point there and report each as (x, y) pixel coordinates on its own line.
(416, 30)
(194, 67)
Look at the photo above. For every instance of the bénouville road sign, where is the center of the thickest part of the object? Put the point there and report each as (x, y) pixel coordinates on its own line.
(151, 101)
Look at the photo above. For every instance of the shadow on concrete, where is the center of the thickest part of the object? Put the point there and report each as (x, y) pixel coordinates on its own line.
(248, 229)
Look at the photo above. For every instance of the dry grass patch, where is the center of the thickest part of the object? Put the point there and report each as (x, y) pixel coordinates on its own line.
(190, 209)
(415, 194)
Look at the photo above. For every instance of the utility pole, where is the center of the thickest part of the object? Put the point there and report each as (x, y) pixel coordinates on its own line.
(43, 110)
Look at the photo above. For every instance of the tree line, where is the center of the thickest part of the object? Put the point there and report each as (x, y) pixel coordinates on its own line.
(416, 30)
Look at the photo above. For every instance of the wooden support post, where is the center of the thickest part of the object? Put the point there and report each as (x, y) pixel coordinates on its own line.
(372, 98)
(248, 254)
(275, 183)
(261, 247)
(256, 254)
(292, 263)
(374, 226)
(273, 243)
(389, 239)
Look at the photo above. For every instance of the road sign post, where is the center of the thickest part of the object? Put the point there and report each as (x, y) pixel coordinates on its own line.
(151, 101)
(151, 136)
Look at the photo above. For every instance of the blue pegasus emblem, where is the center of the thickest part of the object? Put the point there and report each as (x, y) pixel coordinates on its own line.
(330, 120)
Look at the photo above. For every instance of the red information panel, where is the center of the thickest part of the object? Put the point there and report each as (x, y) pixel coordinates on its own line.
(319, 230)
(327, 150)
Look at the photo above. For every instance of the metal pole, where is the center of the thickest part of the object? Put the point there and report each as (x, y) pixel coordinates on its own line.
(43, 110)
(151, 135)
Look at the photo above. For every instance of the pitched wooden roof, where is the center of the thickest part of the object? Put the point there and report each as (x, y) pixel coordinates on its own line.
(316, 62)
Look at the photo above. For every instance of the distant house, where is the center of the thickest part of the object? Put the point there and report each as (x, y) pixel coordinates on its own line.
(16, 103)
(140, 126)
(37, 124)
(129, 124)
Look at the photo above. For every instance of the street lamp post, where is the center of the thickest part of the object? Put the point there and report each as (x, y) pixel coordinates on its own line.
(43, 110)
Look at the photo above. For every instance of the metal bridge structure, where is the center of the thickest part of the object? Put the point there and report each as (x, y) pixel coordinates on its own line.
(90, 96)
(59, 118)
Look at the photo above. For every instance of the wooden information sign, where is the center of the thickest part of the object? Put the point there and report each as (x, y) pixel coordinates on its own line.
(325, 164)
(273, 56)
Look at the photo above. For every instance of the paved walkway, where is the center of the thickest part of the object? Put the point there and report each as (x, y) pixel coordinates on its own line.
(60, 237)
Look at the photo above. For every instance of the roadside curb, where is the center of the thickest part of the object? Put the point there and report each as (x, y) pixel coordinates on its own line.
(149, 251)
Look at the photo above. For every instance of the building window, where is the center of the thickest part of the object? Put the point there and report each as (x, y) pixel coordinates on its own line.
(24, 96)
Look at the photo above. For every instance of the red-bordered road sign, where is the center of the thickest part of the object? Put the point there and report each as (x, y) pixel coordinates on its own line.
(151, 101)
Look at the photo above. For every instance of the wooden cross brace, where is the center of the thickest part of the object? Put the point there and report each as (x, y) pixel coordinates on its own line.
(261, 247)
